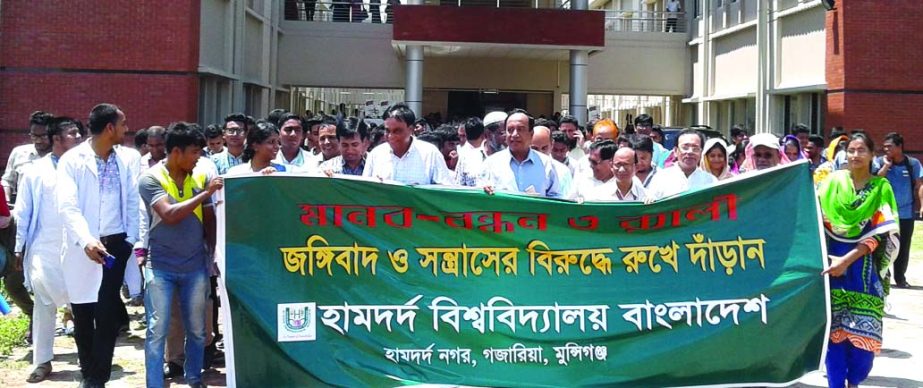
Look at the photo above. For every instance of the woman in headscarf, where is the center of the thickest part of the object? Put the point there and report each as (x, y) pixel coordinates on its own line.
(763, 152)
(715, 159)
(792, 148)
(831, 163)
(859, 213)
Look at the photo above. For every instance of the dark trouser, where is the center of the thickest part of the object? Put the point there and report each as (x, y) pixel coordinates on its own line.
(900, 264)
(216, 303)
(96, 325)
(14, 281)
(671, 24)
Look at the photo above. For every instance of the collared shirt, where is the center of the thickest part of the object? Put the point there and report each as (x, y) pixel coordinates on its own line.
(576, 154)
(338, 166)
(224, 161)
(650, 177)
(635, 194)
(19, 157)
(110, 194)
(304, 161)
(146, 162)
(470, 162)
(902, 182)
(422, 164)
(588, 188)
(534, 175)
(208, 152)
(672, 180)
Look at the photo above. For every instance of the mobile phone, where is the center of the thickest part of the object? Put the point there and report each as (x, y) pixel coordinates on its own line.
(109, 261)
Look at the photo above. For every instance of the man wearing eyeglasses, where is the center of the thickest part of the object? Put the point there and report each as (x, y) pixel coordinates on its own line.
(600, 184)
(22, 155)
(235, 134)
(684, 175)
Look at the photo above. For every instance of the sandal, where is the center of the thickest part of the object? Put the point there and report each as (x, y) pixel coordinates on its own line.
(40, 373)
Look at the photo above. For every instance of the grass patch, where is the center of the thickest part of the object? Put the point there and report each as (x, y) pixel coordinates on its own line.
(12, 328)
(916, 244)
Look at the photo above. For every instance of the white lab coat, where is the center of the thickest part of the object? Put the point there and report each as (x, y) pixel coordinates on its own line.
(36, 206)
(79, 204)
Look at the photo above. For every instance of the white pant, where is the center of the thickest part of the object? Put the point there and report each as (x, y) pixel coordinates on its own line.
(43, 325)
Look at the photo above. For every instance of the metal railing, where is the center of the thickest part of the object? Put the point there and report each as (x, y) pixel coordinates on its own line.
(380, 11)
(645, 21)
(344, 11)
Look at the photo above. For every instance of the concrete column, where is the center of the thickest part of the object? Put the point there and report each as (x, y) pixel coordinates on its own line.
(413, 89)
(764, 69)
(578, 85)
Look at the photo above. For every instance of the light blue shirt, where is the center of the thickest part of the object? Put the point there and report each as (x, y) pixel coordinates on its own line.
(902, 181)
(534, 175)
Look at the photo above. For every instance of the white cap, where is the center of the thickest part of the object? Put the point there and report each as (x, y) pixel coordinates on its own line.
(494, 117)
(764, 139)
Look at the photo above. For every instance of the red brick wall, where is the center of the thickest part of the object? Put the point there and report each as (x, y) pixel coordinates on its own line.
(874, 67)
(66, 56)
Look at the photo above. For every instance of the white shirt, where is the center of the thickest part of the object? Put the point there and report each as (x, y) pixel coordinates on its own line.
(422, 164)
(672, 180)
(19, 157)
(79, 200)
(588, 188)
(470, 161)
(635, 193)
(304, 161)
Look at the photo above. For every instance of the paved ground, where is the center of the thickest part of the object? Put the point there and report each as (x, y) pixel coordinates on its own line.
(899, 365)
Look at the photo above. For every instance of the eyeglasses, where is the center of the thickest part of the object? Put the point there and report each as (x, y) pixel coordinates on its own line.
(233, 132)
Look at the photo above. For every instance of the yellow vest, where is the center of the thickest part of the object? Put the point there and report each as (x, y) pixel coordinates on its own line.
(191, 185)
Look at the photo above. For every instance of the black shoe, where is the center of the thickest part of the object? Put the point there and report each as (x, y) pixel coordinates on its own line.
(171, 370)
(197, 385)
(903, 284)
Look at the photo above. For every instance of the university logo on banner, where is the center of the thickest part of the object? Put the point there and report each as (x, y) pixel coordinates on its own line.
(297, 322)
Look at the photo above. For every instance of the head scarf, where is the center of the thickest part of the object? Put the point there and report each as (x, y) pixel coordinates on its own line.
(832, 147)
(762, 139)
(794, 139)
(704, 164)
(845, 211)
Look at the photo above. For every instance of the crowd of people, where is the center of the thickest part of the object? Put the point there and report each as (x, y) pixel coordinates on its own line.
(100, 219)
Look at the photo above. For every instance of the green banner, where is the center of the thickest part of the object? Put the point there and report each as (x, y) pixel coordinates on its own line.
(354, 283)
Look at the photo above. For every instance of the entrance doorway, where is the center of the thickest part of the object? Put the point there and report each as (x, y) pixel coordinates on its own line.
(477, 103)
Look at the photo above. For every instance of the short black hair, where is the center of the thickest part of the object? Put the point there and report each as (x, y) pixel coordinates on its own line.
(432, 138)
(836, 132)
(352, 126)
(542, 122)
(642, 143)
(57, 125)
(817, 140)
(644, 119)
(275, 117)
(401, 112)
(606, 148)
(558, 137)
(448, 133)
(40, 118)
(213, 131)
(864, 138)
(569, 119)
(691, 131)
(737, 131)
(895, 138)
(474, 127)
(238, 117)
(141, 138)
(376, 134)
(101, 116)
(522, 111)
(658, 129)
(420, 121)
(286, 116)
(182, 134)
(800, 128)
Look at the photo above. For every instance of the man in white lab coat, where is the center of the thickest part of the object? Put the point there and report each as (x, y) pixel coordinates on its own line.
(39, 237)
(98, 200)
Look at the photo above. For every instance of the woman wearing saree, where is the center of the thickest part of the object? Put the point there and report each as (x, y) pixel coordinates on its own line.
(859, 213)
